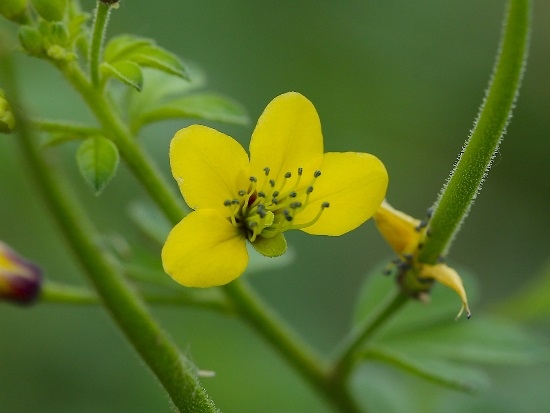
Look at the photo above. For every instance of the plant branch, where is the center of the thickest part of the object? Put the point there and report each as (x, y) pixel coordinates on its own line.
(174, 371)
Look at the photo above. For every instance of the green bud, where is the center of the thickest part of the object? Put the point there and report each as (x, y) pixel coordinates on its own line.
(56, 52)
(51, 10)
(59, 34)
(7, 120)
(14, 10)
(31, 40)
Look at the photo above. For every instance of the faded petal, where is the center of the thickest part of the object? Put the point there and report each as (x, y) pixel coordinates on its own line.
(450, 278)
(204, 250)
(354, 184)
(209, 166)
(287, 137)
(398, 229)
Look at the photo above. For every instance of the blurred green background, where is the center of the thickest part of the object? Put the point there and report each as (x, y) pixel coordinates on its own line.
(402, 80)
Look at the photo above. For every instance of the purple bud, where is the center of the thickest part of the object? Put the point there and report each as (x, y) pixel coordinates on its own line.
(20, 280)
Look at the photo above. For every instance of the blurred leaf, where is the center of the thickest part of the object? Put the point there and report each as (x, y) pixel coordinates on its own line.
(150, 221)
(126, 71)
(424, 339)
(531, 303)
(97, 159)
(205, 106)
(145, 53)
(452, 375)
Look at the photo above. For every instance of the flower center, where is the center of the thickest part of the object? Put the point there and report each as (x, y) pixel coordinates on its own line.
(271, 209)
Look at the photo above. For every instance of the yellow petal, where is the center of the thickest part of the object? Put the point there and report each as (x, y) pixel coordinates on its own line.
(204, 250)
(354, 184)
(398, 229)
(210, 167)
(287, 136)
(450, 278)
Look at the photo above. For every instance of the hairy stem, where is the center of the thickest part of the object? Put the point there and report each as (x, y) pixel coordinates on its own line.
(465, 181)
(101, 18)
(174, 371)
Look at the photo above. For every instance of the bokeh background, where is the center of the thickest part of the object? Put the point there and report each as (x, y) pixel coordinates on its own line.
(402, 80)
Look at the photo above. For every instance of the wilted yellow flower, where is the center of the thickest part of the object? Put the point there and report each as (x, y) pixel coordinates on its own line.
(405, 234)
(288, 183)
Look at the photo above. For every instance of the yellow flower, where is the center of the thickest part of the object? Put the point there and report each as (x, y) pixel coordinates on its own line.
(288, 183)
(405, 235)
(20, 280)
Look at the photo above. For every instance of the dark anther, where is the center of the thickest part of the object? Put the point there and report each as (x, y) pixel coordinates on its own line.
(309, 189)
(261, 211)
(235, 202)
(275, 194)
(429, 232)
(300, 170)
(261, 194)
(227, 202)
(286, 213)
(266, 170)
(272, 183)
(421, 225)
(317, 174)
(288, 175)
(242, 192)
(292, 194)
(252, 224)
(253, 179)
(295, 205)
(325, 205)
(275, 201)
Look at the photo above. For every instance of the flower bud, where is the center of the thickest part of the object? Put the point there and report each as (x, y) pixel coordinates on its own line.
(14, 10)
(32, 41)
(51, 10)
(20, 280)
(7, 120)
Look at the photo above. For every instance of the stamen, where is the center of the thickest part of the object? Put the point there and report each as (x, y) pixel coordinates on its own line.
(324, 205)
(266, 170)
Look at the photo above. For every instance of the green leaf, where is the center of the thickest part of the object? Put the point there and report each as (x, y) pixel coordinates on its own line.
(205, 106)
(145, 53)
(158, 58)
(126, 71)
(270, 247)
(426, 341)
(97, 159)
(453, 375)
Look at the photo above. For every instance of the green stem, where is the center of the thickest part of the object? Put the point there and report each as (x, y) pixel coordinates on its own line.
(465, 181)
(135, 157)
(346, 356)
(67, 294)
(302, 357)
(175, 372)
(73, 128)
(101, 18)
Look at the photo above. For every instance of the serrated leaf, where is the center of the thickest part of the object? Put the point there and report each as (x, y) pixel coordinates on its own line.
(205, 106)
(97, 160)
(126, 71)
